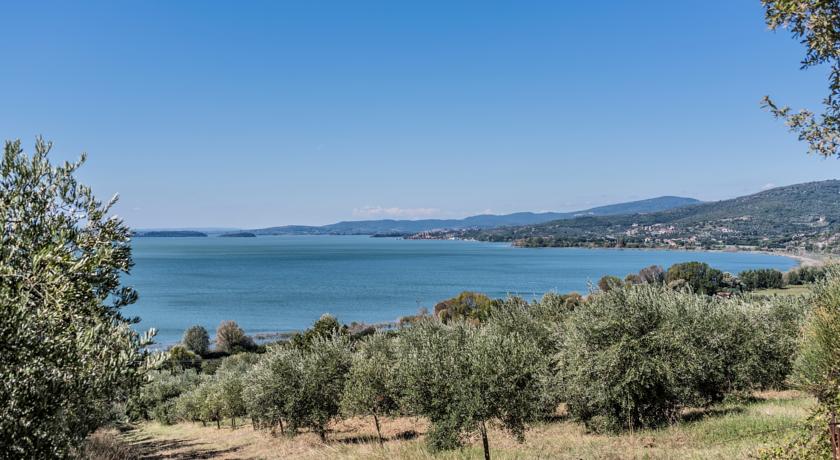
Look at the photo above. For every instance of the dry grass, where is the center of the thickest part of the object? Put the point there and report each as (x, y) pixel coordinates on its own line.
(792, 290)
(725, 432)
(107, 444)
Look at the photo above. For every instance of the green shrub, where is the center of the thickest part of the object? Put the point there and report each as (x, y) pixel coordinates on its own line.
(179, 358)
(805, 275)
(700, 277)
(196, 340)
(766, 278)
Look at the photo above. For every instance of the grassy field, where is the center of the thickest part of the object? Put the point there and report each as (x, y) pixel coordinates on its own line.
(733, 430)
(785, 291)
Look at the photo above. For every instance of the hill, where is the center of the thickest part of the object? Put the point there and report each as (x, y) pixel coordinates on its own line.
(803, 216)
(391, 227)
(238, 235)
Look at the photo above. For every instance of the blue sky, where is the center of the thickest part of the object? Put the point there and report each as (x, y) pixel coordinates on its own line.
(247, 114)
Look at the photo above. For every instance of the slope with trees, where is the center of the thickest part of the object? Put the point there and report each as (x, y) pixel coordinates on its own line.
(803, 216)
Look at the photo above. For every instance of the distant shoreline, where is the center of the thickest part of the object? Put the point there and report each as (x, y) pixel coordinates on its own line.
(803, 259)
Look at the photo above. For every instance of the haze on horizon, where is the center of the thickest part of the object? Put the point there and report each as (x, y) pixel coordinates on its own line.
(263, 114)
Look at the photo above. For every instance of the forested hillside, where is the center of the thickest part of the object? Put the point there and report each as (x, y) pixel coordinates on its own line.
(803, 216)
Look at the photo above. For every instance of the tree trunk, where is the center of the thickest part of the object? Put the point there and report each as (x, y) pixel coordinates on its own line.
(218, 424)
(204, 422)
(378, 431)
(233, 422)
(323, 434)
(484, 441)
(282, 430)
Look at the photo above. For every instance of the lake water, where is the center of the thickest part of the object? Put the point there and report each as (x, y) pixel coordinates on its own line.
(284, 283)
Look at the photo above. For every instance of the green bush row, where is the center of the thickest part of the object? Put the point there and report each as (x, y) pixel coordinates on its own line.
(629, 358)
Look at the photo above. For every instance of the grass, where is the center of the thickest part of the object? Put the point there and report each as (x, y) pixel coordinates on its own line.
(793, 290)
(733, 430)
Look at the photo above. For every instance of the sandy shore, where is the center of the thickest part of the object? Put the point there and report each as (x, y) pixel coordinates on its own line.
(805, 259)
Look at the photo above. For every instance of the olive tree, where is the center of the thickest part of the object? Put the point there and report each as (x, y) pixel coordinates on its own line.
(157, 398)
(68, 353)
(269, 386)
(302, 386)
(370, 383)
(203, 403)
(817, 367)
(633, 357)
(230, 376)
(321, 373)
(462, 378)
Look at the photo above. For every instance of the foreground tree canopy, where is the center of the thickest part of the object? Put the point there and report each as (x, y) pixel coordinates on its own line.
(816, 23)
(68, 353)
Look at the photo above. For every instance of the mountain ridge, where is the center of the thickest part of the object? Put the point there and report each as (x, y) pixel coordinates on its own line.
(480, 221)
(801, 216)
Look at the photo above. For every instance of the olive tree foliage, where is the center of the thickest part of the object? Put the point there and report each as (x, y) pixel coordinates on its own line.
(301, 387)
(196, 339)
(269, 386)
(554, 307)
(817, 367)
(817, 371)
(157, 398)
(633, 357)
(322, 372)
(816, 23)
(204, 403)
(219, 396)
(230, 378)
(324, 327)
(463, 377)
(68, 353)
(370, 388)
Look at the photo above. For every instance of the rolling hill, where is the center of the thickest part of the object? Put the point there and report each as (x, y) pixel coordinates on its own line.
(803, 216)
(484, 221)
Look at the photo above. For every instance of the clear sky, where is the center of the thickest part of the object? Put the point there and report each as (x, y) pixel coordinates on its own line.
(247, 114)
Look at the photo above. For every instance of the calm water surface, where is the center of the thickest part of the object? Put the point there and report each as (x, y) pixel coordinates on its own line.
(283, 283)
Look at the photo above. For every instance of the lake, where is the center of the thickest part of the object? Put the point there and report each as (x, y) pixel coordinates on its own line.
(284, 283)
